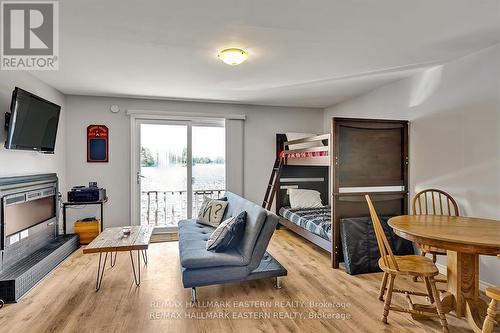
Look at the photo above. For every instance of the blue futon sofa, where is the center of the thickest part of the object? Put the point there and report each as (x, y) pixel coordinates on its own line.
(248, 261)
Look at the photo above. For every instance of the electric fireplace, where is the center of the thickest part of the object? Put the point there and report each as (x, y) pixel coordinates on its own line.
(21, 211)
(30, 244)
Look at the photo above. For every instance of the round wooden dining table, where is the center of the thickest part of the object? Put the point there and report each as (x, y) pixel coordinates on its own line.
(464, 239)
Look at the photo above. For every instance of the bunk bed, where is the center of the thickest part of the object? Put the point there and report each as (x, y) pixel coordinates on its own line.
(305, 168)
(357, 157)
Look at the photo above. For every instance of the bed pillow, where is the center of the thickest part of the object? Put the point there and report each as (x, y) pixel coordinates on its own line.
(300, 198)
(228, 234)
(296, 136)
(212, 211)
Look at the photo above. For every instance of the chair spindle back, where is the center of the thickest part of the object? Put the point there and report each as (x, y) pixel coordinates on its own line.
(383, 245)
(434, 202)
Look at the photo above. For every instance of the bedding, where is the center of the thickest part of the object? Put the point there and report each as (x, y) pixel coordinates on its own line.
(303, 154)
(359, 244)
(316, 220)
(301, 198)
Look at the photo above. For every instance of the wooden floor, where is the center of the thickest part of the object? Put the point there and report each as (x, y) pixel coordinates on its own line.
(66, 300)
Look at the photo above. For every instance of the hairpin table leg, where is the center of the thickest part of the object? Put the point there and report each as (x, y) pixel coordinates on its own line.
(113, 260)
(145, 256)
(100, 271)
(137, 276)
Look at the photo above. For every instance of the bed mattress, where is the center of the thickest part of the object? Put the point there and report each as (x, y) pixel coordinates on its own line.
(316, 220)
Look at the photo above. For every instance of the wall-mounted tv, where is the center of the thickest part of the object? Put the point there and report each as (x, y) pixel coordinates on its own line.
(32, 123)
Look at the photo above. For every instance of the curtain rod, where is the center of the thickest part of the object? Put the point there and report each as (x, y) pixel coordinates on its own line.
(167, 114)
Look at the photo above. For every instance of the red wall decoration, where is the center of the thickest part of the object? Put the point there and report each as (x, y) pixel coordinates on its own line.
(97, 143)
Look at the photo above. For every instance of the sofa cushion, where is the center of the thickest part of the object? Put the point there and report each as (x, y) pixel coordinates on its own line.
(191, 226)
(263, 241)
(193, 254)
(256, 216)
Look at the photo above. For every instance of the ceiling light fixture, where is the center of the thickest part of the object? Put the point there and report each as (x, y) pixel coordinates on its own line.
(233, 56)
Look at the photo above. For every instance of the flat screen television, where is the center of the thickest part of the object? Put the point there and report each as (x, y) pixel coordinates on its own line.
(32, 123)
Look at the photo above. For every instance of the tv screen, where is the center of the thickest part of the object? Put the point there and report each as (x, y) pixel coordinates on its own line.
(33, 123)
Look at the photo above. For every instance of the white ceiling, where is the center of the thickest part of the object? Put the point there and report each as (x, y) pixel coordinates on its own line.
(302, 53)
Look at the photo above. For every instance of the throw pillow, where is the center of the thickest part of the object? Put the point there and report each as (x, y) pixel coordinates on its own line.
(228, 234)
(216, 236)
(212, 211)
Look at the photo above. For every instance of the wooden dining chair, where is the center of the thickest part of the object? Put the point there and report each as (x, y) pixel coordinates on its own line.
(489, 321)
(411, 265)
(434, 202)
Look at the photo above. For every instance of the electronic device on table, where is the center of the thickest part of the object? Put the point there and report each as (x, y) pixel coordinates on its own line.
(92, 193)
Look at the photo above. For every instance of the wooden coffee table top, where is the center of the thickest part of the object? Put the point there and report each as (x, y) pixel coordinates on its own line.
(112, 240)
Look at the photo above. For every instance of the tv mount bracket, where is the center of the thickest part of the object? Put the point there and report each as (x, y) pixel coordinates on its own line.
(7, 122)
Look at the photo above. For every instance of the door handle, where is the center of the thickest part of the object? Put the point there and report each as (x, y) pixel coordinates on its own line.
(139, 176)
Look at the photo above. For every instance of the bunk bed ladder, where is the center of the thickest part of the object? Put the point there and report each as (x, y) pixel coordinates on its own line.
(273, 185)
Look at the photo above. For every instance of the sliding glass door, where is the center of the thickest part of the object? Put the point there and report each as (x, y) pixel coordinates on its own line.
(208, 163)
(163, 173)
(178, 163)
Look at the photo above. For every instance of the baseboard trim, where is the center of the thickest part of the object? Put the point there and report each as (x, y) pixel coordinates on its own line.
(482, 284)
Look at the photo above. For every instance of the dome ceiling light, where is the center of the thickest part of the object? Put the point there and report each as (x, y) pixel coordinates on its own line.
(233, 56)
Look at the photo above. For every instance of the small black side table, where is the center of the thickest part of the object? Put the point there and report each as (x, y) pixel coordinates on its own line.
(70, 203)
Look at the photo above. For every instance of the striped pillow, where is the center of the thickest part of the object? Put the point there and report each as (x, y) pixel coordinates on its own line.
(228, 233)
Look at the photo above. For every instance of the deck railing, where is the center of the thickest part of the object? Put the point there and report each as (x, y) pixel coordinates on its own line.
(166, 208)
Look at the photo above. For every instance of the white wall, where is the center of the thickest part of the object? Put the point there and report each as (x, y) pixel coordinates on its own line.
(387, 102)
(454, 113)
(17, 162)
(260, 127)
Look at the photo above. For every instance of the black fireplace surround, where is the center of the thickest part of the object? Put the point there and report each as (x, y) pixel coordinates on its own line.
(30, 245)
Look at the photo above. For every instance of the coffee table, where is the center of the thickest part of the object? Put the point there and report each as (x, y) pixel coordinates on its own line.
(112, 241)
